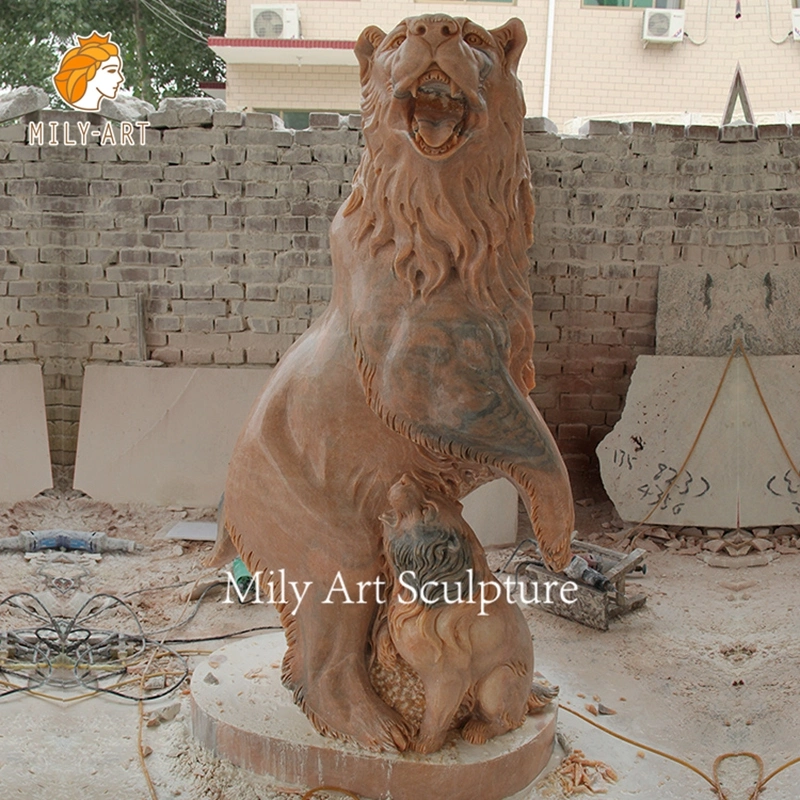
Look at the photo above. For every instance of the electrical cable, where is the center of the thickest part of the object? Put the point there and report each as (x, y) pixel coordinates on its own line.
(769, 26)
(170, 24)
(224, 635)
(157, 588)
(186, 621)
(66, 652)
(311, 792)
(705, 32)
(181, 14)
(178, 18)
(712, 780)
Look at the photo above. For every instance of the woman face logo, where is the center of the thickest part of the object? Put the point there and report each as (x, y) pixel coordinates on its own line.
(90, 72)
(108, 78)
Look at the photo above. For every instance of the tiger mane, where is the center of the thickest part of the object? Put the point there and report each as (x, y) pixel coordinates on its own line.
(474, 216)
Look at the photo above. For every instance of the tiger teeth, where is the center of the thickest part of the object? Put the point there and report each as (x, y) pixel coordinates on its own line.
(436, 151)
(436, 76)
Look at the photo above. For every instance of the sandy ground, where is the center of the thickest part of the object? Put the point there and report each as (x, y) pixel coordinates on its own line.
(707, 667)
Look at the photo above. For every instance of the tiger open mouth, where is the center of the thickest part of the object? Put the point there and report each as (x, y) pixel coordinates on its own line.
(438, 113)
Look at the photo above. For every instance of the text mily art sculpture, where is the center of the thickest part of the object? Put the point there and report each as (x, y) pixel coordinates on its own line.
(408, 392)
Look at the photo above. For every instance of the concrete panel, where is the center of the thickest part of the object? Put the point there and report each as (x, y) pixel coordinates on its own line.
(738, 474)
(757, 305)
(161, 436)
(24, 450)
(491, 511)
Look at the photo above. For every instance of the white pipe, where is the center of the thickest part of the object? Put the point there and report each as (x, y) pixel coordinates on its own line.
(548, 57)
(705, 32)
(769, 26)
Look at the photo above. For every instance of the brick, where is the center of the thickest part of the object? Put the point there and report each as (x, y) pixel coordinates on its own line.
(22, 288)
(227, 258)
(197, 291)
(229, 291)
(198, 324)
(258, 153)
(227, 119)
(606, 402)
(324, 120)
(167, 323)
(263, 292)
(159, 223)
(229, 356)
(260, 325)
(193, 222)
(572, 430)
(194, 206)
(197, 154)
(197, 355)
(254, 119)
(247, 136)
(228, 324)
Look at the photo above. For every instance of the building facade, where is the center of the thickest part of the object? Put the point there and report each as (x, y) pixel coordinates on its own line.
(584, 59)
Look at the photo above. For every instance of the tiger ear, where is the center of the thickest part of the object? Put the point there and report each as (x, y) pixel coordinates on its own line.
(512, 39)
(429, 510)
(368, 42)
(389, 519)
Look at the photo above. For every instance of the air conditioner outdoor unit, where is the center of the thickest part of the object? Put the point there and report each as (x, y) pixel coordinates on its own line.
(275, 22)
(796, 24)
(663, 25)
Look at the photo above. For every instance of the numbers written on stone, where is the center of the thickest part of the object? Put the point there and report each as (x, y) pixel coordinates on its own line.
(669, 494)
(786, 486)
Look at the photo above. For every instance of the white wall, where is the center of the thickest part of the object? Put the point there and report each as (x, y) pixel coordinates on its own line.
(600, 66)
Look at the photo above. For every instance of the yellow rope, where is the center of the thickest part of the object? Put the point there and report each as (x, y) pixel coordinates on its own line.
(139, 743)
(633, 533)
(738, 347)
(713, 781)
(769, 413)
(655, 750)
(311, 792)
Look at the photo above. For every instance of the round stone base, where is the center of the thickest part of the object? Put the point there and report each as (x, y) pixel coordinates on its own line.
(241, 712)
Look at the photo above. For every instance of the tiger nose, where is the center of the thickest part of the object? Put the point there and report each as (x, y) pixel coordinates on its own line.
(434, 29)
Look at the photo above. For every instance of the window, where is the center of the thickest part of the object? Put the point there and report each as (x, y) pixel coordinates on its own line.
(296, 120)
(635, 3)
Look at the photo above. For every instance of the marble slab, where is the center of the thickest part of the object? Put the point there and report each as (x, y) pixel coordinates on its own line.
(492, 512)
(701, 312)
(738, 474)
(24, 449)
(161, 436)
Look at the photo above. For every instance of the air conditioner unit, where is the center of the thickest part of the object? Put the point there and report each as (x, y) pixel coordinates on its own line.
(663, 25)
(275, 22)
(796, 24)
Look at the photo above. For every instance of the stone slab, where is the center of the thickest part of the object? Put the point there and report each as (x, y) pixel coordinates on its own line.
(125, 107)
(491, 511)
(738, 475)
(161, 436)
(16, 102)
(193, 532)
(702, 311)
(241, 712)
(24, 449)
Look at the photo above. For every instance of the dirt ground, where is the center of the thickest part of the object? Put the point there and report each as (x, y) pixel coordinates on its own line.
(708, 666)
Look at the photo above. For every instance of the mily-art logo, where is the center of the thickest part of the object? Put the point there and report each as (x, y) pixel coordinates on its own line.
(87, 75)
(90, 72)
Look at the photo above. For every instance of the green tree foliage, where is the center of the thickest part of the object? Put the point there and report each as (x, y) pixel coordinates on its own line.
(163, 42)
